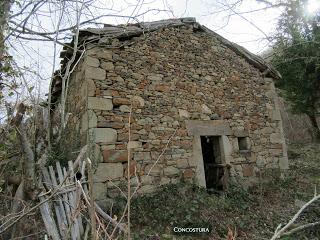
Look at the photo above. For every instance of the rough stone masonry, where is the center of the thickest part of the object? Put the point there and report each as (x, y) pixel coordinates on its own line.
(180, 81)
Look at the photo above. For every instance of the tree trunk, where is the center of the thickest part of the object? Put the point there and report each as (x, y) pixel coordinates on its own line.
(28, 176)
(315, 126)
(16, 207)
(4, 11)
(29, 163)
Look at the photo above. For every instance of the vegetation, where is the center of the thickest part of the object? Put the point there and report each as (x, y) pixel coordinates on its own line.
(297, 57)
(254, 213)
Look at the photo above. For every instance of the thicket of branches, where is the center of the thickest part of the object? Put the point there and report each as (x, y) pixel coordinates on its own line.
(25, 111)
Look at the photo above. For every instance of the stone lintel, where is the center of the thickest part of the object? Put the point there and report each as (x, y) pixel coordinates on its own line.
(207, 128)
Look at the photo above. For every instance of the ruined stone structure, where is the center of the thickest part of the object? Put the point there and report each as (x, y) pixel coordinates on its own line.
(204, 108)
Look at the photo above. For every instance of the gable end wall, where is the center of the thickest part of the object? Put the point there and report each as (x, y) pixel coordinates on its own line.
(171, 77)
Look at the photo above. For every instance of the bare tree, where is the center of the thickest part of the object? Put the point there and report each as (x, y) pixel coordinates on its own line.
(29, 24)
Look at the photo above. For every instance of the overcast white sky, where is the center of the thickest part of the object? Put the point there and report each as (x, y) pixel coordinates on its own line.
(248, 29)
(208, 12)
(234, 28)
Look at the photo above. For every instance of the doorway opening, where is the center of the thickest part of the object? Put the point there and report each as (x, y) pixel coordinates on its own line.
(214, 169)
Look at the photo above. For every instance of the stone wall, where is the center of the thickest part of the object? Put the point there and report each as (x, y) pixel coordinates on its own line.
(170, 77)
(73, 137)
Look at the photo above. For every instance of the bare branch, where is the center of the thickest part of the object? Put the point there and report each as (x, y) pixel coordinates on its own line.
(300, 228)
(279, 233)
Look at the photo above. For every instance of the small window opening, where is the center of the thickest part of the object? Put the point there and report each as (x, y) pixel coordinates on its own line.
(212, 160)
(244, 143)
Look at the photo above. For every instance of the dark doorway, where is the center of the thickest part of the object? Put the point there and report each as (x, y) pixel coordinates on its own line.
(213, 167)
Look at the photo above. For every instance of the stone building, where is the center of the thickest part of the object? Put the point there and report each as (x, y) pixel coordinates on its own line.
(202, 108)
